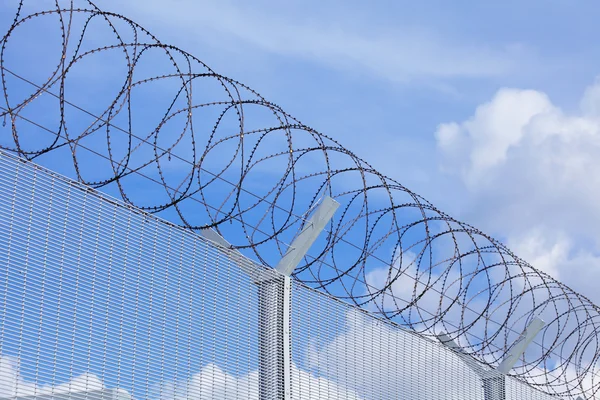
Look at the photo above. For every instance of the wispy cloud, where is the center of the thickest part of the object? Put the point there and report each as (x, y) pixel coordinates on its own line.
(401, 53)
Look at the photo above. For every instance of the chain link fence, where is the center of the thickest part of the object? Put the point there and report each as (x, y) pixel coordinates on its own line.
(101, 301)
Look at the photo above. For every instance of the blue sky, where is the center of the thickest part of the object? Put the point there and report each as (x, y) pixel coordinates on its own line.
(382, 78)
(389, 80)
(489, 110)
(407, 68)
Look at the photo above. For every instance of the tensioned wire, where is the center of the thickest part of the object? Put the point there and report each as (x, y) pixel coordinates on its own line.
(219, 177)
(357, 278)
(176, 190)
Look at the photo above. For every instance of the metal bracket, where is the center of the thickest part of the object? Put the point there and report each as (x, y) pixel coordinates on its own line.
(518, 348)
(470, 361)
(494, 379)
(307, 236)
(275, 296)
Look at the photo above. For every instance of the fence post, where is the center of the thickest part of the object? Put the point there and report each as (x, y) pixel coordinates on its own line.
(274, 309)
(494, 380)
(273, 342)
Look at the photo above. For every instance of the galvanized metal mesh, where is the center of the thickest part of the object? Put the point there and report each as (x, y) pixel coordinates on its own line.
(101, 301)
(97, 297)
(363, 357)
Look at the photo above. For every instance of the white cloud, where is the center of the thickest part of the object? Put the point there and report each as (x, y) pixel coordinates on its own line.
(13, 384)
(405, 282)
(531, 174)
(212, 383)
(496, 127)
(380, 361)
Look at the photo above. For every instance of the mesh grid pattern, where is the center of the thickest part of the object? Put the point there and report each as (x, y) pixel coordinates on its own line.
(101, 301)
(368, 358)
(97, 297)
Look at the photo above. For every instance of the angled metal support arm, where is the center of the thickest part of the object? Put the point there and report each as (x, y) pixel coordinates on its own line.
(494, 387)
(519, 346)
(274, 297)
(274, 302)
(307, 236)
(469, 360)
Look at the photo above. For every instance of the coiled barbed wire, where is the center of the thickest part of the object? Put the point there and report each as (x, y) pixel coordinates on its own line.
(107, 101)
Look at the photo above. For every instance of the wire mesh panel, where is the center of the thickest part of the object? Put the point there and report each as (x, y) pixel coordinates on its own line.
(99, 301)
(362, 357)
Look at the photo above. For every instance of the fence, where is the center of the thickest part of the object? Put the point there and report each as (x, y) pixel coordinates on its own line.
(227, 158)
(100, 300)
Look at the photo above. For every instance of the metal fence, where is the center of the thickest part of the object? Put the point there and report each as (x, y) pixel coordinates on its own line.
(99, 300)
(229, 159)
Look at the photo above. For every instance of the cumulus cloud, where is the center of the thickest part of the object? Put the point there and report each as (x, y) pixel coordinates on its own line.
(210, 383)
(13, 384)
(379, 361)
(213, 383)
(366, 359)
(531, 175)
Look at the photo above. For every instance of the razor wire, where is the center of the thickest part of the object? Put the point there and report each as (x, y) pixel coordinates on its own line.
(251, 171)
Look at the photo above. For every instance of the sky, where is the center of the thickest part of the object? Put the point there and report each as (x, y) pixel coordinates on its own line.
(491, 111)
